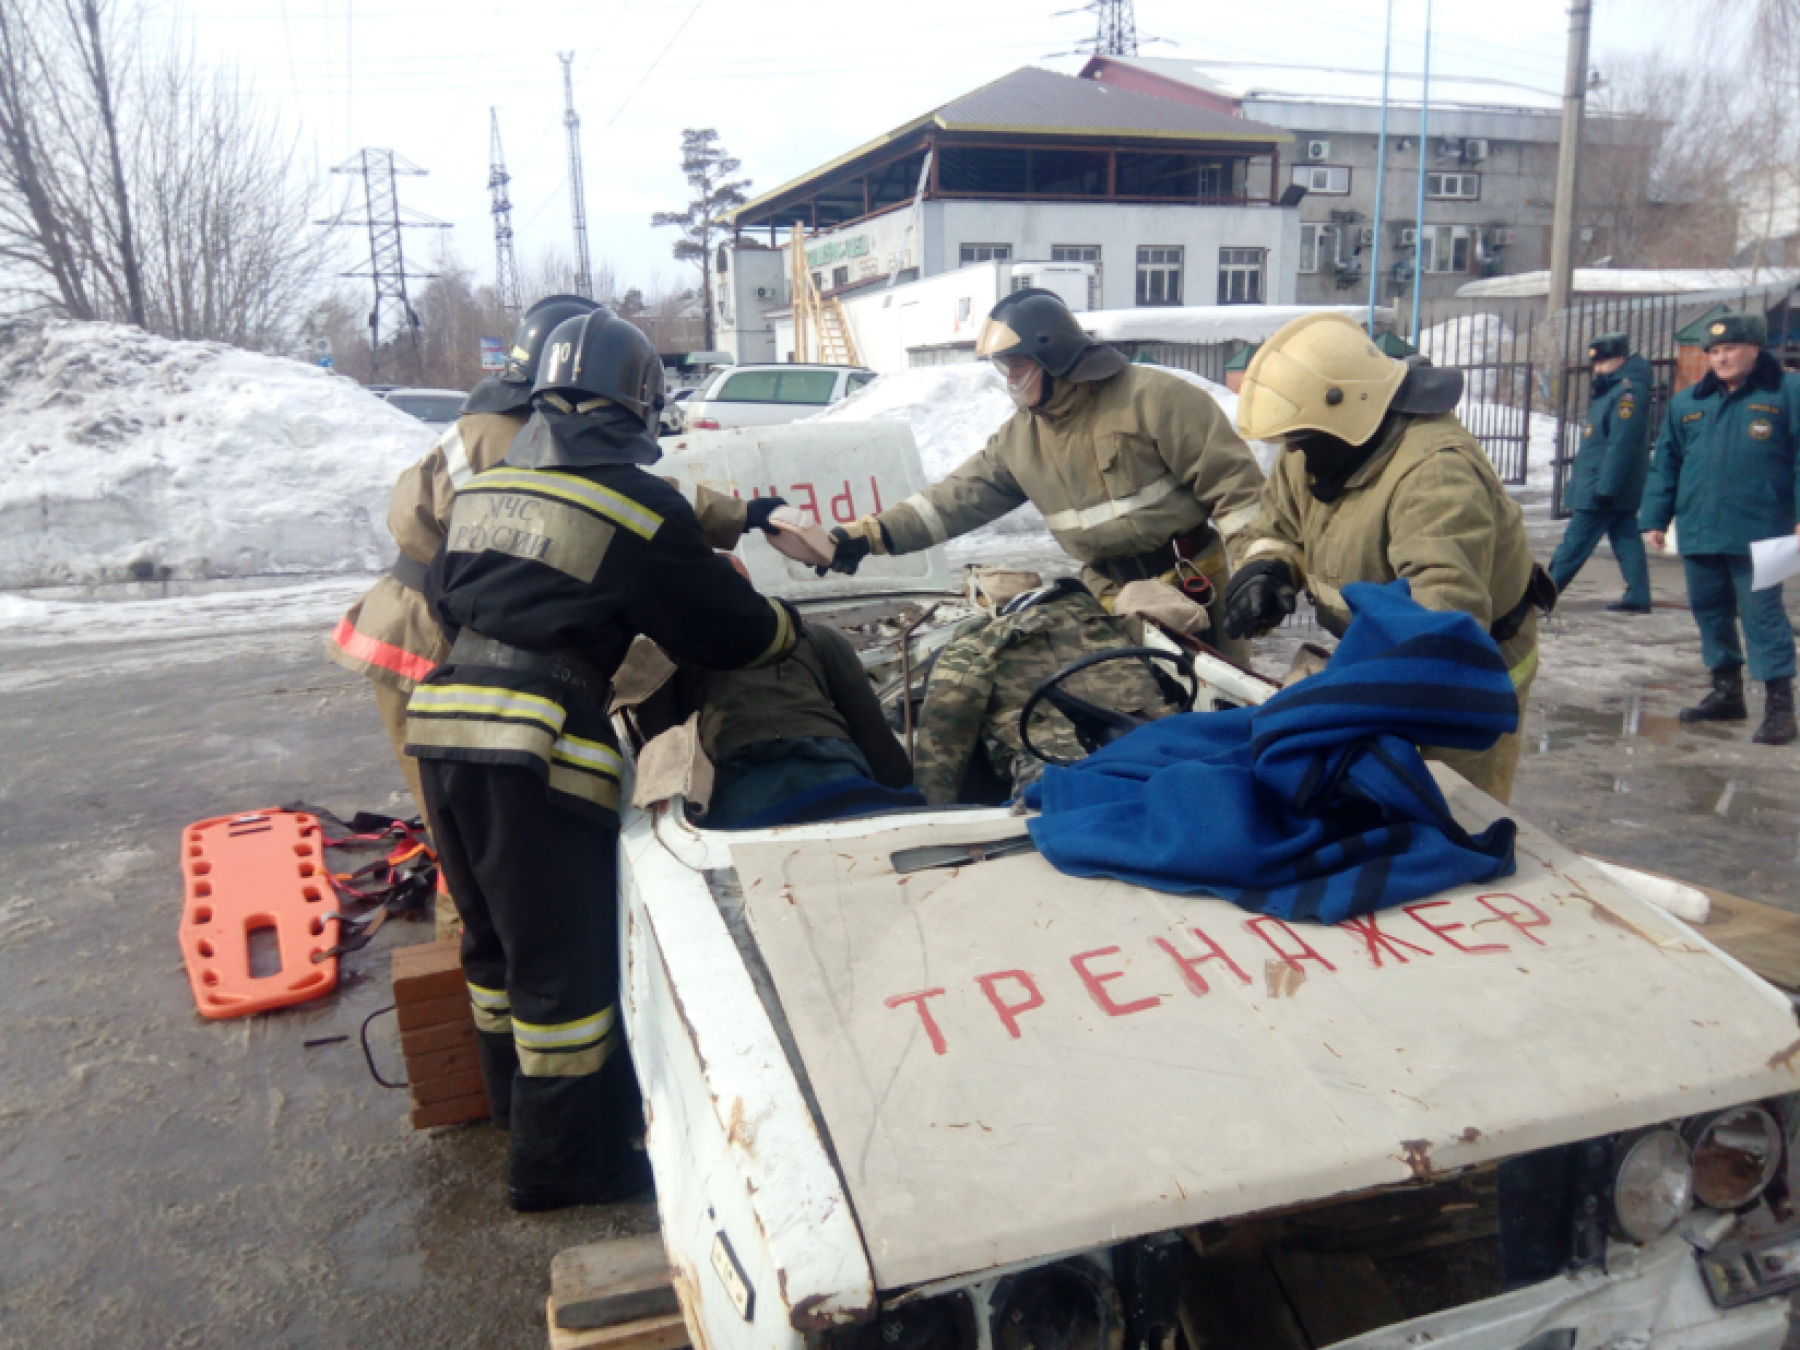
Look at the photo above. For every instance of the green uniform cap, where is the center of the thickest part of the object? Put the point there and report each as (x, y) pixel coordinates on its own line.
(1608, 345)
(1736, 327)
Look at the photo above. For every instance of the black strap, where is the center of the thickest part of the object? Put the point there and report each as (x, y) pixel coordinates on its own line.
(1540, 593)
(564, 666)
(409, 572)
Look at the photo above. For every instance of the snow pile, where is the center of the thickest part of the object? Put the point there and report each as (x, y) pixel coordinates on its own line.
(953, 410)
(1471, 342)
(126, 455)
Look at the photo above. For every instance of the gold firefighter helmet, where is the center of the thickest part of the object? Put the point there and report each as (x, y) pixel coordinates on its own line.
(1319, 373)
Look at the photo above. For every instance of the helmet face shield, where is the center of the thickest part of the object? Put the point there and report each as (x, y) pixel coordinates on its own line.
(997, 339)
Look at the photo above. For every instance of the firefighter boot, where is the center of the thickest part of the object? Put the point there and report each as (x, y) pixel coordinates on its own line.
(573, 1140)
(499, 1062)
(1726, 701)
(1778, 714)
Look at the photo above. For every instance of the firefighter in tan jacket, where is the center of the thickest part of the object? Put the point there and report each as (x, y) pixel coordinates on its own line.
(1138, 473)
(390, 635)
(1380, 480)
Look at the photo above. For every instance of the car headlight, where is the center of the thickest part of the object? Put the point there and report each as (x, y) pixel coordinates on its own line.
(1736, 1156)
(1653, 1184)
(1066, 1306)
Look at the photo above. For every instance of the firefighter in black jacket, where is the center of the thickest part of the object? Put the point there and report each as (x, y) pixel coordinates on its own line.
(554, 562)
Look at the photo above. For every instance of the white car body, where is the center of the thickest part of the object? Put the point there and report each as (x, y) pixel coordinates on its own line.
(435, 407)
(760, 396)
(827, 1154)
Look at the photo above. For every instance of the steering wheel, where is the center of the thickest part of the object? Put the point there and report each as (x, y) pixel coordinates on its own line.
(1096, 726)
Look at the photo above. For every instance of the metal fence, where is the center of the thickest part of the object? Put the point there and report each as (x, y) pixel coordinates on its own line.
(1494, 346)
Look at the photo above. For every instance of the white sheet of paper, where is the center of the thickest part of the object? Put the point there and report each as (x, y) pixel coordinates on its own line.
(1773, 561)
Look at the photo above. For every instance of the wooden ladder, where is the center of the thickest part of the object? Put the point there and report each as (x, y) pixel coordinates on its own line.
(837, 345)
(818, 323)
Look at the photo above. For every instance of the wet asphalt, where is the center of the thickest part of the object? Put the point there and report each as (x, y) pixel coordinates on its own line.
(170, 1181)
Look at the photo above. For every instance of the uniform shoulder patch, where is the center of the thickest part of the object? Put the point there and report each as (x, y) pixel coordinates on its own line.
(1627, 405)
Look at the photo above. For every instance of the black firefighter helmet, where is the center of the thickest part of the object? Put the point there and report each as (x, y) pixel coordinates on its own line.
(534, 331)
(1036, 323)
(598, 355)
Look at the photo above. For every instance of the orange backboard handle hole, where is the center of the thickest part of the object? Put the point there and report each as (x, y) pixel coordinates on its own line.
(204, 913)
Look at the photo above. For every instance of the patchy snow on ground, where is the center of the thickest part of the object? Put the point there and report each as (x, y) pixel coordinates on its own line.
(953, 411)
(123, 454)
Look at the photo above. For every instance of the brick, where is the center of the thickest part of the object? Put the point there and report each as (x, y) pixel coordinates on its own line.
(434, 1012)
(426, 958)
(435, 1090)
(452, 1112)
(440, 1063)
(443, 1036)
(428, 970)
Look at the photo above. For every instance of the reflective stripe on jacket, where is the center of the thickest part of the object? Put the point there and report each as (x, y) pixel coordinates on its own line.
(577, 561)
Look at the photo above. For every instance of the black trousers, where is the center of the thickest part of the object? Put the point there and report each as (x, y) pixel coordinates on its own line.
(537, 888)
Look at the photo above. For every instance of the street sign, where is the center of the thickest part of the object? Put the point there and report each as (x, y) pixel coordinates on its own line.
(493, 354)
(325, 362)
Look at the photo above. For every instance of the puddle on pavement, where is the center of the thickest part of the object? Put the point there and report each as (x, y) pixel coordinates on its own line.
(1566, 725)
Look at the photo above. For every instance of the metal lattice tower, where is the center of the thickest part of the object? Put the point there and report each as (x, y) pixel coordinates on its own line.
(1115, 33)
(584, 279)
(506, 269)
(386, 221)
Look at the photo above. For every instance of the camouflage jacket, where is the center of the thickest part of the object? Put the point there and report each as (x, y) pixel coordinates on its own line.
(982, 679)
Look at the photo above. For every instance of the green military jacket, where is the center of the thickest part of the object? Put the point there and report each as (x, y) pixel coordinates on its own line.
(820, 690)
(1118, 467)
(1727, 468)
(981, 680)
(1614, 458)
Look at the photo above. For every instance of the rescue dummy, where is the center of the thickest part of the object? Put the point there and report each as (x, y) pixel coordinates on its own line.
(1137, 472)
(554, 563)
(982, 678)
(389, 635)
(1379, 480)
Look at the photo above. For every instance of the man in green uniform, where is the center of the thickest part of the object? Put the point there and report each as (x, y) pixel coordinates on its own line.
(1379, 480)
(1138, 473)
(1606, 482)
(1725, 472)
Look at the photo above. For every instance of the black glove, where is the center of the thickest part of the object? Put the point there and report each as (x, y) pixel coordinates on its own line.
(851, 550)
(1604, 500)
(1259, 596)
(756, 515)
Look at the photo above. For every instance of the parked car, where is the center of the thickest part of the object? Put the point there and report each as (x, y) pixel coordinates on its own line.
(969, 1102)
(674, 413)
(439, 407)
(759, 396)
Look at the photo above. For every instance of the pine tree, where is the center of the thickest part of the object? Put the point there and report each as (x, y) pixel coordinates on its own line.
(708, 170)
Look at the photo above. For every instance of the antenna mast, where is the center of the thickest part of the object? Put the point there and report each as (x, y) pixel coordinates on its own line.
(1115, 33)
(506, 270)
(584, 279)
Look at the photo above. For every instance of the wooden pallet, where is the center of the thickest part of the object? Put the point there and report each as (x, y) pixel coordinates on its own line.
(437, 1035)
(616, 1295)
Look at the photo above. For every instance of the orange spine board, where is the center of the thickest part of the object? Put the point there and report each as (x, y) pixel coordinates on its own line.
(246, 873)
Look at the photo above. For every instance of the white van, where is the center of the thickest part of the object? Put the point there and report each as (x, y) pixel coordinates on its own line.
(757, 396)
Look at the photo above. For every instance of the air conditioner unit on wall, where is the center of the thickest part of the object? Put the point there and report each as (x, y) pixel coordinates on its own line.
(1409, 238)
(1316, 150)
(1366, 236)
(1475, 151)
(1502, 238)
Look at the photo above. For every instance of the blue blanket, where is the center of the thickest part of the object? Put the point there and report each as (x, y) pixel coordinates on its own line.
(1315, 805)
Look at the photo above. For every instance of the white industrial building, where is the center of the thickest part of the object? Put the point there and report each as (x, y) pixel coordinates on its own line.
(1164, 204)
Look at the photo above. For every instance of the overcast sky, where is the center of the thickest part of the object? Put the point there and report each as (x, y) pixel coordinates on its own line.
(788, 85)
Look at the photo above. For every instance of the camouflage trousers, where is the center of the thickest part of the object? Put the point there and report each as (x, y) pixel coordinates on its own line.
(982, 679)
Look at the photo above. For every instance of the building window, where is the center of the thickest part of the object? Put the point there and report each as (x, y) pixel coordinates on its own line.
(962, 310)
(1453, 187)
(1159, 276)
(1318, 248)
(1324, 179)
(840, 276)
(980, 253)
(1241, 276)
(818, 281)
(1082, 253)
(1447, 247)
